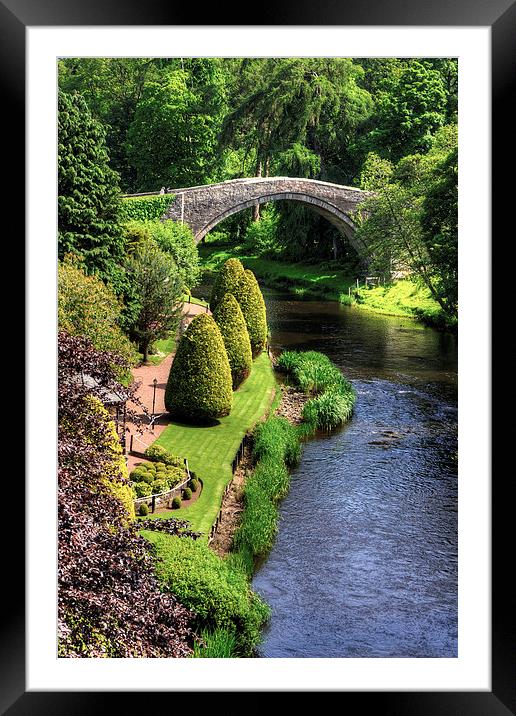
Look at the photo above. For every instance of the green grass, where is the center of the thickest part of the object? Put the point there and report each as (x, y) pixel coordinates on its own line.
(304, 280)
(210, 450)
(403, 298)
(321, 281)
(196, 301)
(164, 348)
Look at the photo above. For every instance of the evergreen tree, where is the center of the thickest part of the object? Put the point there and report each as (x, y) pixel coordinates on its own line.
(227, 281)
(199, 385)
(230, 320)
(251, 302)
(157, 290)
(88, 193)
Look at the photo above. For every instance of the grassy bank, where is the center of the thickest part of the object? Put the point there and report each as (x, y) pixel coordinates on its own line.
(210, 450)
(229, 615)
(330, 282)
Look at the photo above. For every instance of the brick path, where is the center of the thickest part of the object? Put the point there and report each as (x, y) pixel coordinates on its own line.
(145, 375)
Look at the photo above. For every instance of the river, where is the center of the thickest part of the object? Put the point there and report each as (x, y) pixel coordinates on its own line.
(365, 562)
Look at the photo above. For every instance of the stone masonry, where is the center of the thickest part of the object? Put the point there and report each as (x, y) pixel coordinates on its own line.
(203, 207)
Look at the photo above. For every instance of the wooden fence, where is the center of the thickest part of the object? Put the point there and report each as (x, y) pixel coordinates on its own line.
(246, 441)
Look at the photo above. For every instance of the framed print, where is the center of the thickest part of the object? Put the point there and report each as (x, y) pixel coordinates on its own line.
(465, 666)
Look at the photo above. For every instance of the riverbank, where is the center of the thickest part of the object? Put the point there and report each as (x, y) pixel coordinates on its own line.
(331, 282)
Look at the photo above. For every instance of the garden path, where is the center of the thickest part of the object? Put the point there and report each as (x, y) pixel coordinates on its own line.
(144, 375)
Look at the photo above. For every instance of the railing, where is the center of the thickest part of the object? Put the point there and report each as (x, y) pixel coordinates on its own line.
(161, 497)
(246, 440)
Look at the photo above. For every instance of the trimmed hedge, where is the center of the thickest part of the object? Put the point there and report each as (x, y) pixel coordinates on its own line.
(227, 281)
(199, 385)
(251, 302)
(144, 208)
(230, 320)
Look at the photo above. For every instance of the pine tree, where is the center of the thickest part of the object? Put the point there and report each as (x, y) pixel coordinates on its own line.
(88, 193)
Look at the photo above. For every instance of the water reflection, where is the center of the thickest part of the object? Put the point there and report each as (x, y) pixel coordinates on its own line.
(365, 563)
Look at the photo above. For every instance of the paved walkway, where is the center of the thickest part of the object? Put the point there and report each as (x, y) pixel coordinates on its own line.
(145, 375)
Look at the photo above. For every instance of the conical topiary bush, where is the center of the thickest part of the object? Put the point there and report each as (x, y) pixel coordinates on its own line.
(199, 385)
(228, 278)
(251, 302)
(230, 320)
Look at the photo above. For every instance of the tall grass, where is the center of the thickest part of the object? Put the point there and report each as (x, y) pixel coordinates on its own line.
(218, 644)
(276, 448)
(334, 397)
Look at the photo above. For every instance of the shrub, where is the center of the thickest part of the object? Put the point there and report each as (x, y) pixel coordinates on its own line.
(147, 476)
(143, 510)
(176, 503)
(143, 208)
(159, 486)
(160, 454)
(218, 595)
(187, 493)
(230, 320)
(227, 281)
(193, 485)
(174, 476)
(136, 474)
(251, 302)
(142, 489)
(199, 385)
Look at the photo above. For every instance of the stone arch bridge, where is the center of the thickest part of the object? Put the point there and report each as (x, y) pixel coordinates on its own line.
(203, 207)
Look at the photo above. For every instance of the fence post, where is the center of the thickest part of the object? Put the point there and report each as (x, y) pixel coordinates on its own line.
(153, 503)
(131, 444)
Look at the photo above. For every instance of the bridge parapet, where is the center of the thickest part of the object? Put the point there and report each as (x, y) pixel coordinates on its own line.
(203, 207)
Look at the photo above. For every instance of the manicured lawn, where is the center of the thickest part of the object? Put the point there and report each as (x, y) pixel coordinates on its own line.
(164, 347)
(210, 450)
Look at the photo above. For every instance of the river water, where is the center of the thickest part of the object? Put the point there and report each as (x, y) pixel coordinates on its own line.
(365, 563)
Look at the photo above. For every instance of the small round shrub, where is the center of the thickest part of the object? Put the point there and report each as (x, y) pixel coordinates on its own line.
(147, 477)
(199, 386)
(187, 494)
(136, 474)
(193, 485)
(160, 466)
(174, 476)
(142, 489)
(143, 510)
(159, 454)
(176, 503)
(159, 486)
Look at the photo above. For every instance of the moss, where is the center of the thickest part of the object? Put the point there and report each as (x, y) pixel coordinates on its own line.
(230, 320)
(199, 385)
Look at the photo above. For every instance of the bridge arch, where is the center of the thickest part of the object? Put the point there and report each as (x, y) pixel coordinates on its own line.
(203, 207)
(330, 212)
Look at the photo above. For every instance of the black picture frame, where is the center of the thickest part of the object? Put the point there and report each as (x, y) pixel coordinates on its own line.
(500, 16)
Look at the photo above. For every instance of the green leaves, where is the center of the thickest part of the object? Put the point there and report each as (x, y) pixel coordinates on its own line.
(88, 193)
